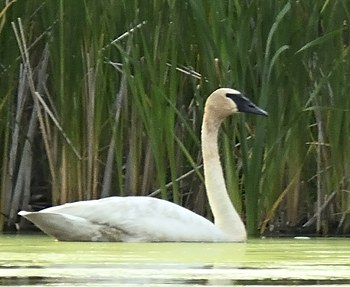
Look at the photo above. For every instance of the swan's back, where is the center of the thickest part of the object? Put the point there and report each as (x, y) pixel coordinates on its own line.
(124, 219)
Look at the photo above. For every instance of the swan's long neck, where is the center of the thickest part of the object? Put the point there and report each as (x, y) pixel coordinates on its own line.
(225, 215)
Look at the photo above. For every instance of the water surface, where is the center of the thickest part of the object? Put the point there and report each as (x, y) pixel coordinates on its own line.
(39, 260)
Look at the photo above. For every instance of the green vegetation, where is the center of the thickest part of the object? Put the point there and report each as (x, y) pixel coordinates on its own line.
(101, 98)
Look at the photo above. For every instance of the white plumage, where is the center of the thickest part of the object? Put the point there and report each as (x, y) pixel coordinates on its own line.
(133, 218)
(146, 219)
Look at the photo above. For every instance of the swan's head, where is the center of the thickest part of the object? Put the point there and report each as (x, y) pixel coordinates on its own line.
(224, 102)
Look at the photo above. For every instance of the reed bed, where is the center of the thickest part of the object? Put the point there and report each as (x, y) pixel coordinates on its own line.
(103, 98)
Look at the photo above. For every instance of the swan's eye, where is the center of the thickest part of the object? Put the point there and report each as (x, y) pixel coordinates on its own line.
(232, 95)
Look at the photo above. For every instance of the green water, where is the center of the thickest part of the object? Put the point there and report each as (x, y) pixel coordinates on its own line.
(41, 261)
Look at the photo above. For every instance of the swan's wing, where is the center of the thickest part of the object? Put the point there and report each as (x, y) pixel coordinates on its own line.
(131, 219)
(65, 227)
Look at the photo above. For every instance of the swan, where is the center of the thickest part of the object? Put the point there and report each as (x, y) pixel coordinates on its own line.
(147, 219)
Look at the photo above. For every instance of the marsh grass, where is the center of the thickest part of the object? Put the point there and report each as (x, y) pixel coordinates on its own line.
(103, 98)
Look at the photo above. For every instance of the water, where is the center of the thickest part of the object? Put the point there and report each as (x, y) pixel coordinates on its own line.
(41, 261)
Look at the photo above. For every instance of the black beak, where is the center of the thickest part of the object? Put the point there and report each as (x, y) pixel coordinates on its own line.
(244, 105)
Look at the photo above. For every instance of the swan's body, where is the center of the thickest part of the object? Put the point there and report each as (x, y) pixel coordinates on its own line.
(135, 219)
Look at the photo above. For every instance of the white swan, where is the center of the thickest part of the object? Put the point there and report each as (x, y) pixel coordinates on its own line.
(142, 219)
